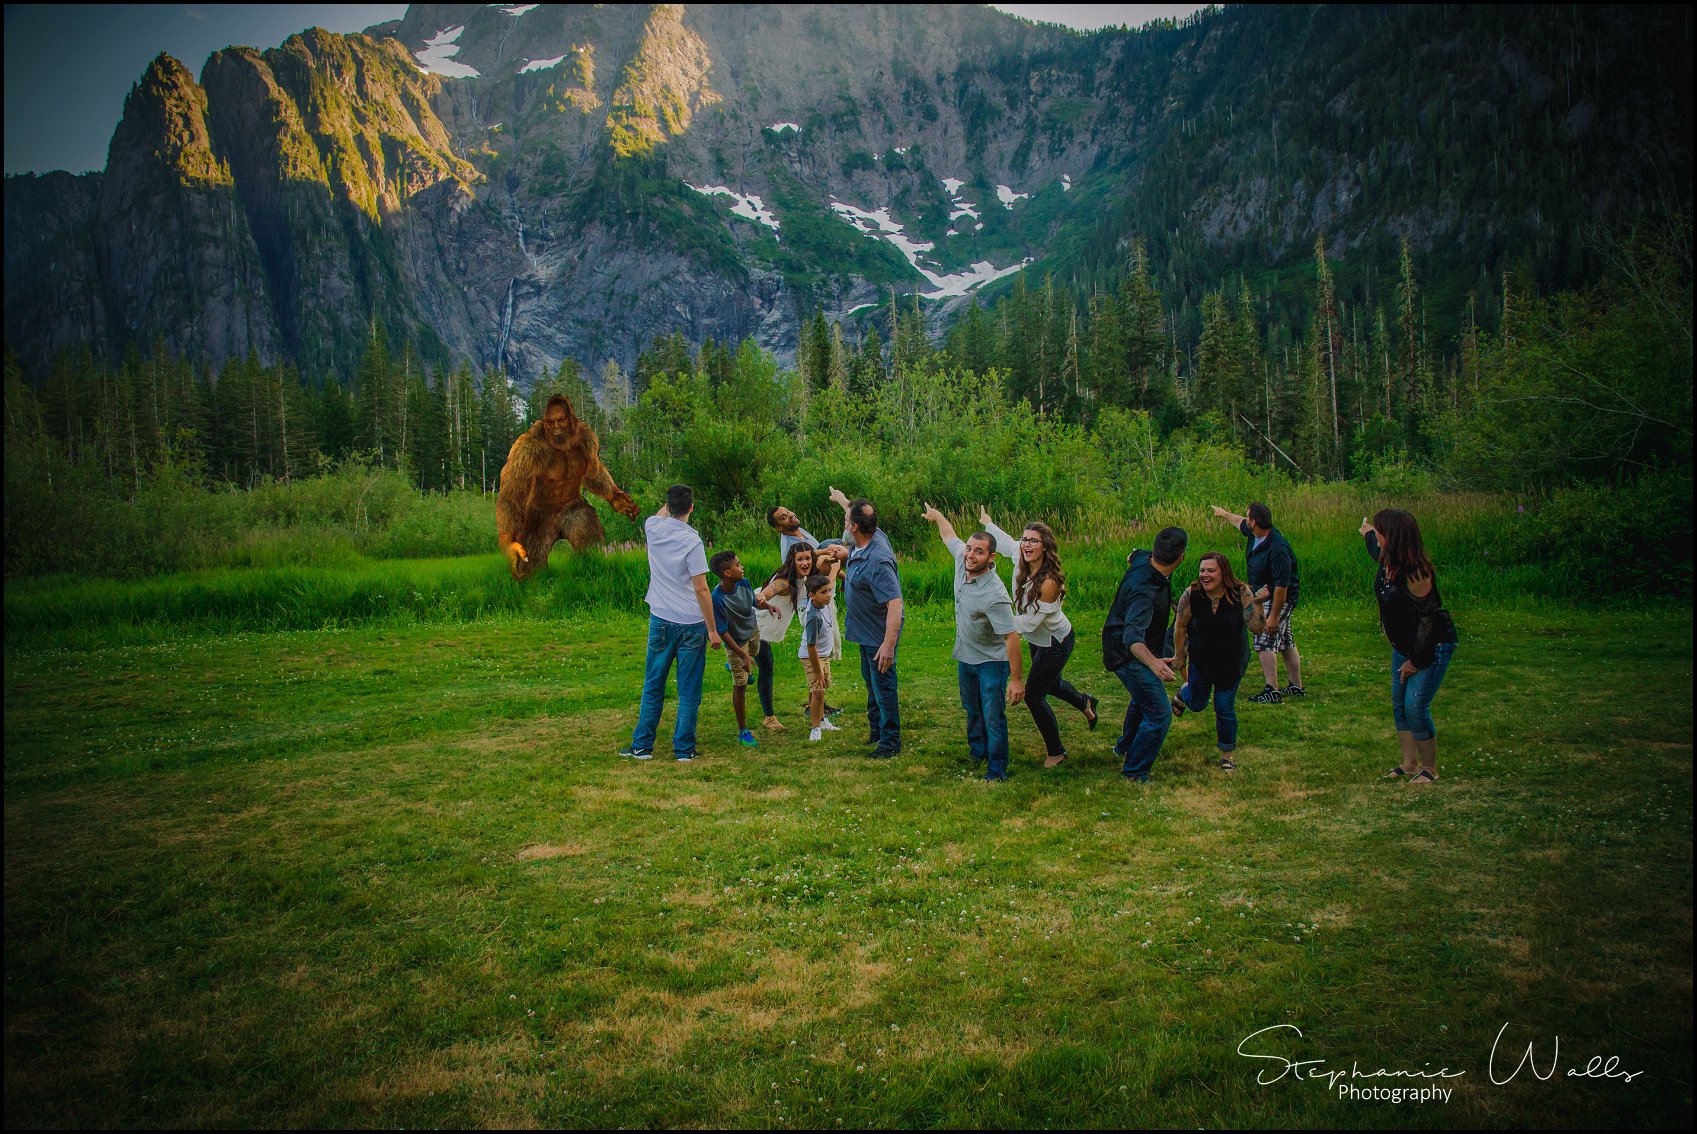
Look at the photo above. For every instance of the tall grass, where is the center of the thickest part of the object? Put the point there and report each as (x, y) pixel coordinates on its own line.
(339, 586)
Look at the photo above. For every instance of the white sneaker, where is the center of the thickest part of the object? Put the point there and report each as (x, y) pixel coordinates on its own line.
(825, 725)
(813, 734)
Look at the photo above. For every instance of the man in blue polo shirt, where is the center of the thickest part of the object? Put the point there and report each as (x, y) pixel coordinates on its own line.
(1270, 567)
(874, 620)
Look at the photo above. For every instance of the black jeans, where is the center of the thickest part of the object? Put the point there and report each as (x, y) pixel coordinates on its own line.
(763, 676)
(1045, 679)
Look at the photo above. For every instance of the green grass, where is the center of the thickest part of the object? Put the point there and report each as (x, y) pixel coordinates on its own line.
(391, 873)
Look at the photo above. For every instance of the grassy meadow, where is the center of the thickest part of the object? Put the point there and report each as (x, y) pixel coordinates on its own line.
(347, 844)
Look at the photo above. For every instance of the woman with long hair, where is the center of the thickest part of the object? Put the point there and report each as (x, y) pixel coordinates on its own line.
(1421, 632)
(1215, 617)
(1038, 592)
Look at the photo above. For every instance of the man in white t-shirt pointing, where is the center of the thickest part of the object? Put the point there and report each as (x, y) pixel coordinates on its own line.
(680, 624)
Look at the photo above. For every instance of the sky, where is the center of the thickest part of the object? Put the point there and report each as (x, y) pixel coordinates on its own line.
(69, 66)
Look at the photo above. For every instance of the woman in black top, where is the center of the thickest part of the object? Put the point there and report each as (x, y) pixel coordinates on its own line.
(1421, 633)
(1215, 614)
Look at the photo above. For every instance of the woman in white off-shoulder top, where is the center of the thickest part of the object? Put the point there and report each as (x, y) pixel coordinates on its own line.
(1038, 591)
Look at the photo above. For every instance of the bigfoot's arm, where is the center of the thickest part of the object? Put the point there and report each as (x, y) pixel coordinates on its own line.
(599, 481)
(515, 498)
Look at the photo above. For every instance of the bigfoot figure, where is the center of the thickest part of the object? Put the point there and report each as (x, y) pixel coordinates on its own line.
(541, 501)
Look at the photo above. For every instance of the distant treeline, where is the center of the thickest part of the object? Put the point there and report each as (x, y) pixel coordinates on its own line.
(1046, 407)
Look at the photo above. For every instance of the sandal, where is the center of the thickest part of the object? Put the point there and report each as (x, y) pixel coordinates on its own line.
(1423, 777)
(1396, 773)
(1091, 715)
(1227, 764)
(1055, 761)
(1179, 707)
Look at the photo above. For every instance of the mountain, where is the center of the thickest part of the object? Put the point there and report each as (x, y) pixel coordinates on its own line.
(514, 184)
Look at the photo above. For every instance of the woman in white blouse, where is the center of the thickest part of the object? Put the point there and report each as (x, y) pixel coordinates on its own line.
(1038, 591)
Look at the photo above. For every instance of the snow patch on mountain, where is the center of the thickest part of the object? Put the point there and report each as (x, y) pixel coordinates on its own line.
(542, 64)
(780, 127)
(1007, 196)
(750, 206)
(958, 207)
(436, 58)
(878, 224)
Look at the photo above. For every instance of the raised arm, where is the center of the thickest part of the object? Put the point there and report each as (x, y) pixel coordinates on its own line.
(1231, 518)
(1005, 544)
(945, 529)
(842, 501)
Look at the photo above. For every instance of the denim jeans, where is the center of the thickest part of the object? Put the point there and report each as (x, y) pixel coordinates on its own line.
(1147, 719)
(763, 676)
(688, 646)
(883, 718)
(1195, 695)
(1411, 700)
(983, 694)
(1045, 679)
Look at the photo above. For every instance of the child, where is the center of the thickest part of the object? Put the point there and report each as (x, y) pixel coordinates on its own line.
(734, 603)
(818, 643)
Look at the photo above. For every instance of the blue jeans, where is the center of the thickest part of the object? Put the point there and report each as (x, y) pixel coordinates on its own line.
(983, 694)
(1147, 719)
(688, 645)
(1195, 695)
(883, 718)
(1411, 700)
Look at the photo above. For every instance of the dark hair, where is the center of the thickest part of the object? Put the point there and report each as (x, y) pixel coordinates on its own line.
(720, 561)
(680, 498)
(1260, 515)
(789, 574)
(1170, 544)
(815, 582)
(1234, 589)
(863, 516)
(771, 515)
(987, 538)
(1404, 553)
(1028, 584)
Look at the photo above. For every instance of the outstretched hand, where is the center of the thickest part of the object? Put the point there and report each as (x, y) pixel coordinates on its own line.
(838, 498)
(984, 516)
(931, 514)
(1366, 525)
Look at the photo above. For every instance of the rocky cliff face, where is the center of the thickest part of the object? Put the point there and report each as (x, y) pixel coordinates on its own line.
(513, 184)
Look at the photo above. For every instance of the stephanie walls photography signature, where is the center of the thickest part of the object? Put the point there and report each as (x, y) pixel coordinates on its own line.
(1502, 1066)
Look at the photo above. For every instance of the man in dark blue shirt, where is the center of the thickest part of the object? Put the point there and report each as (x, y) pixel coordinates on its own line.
(1133, 638)
(1270, 567)
(874, 619)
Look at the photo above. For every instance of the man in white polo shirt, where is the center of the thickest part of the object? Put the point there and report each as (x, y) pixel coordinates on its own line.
(680, 624)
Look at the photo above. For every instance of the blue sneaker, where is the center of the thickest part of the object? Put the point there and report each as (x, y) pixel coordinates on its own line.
(685, 757)
(746, 739)
(636, 753)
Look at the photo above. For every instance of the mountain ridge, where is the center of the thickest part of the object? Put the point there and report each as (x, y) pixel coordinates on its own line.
(615, 172)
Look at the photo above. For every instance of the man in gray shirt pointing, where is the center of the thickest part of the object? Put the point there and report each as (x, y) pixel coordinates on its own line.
(987, 651)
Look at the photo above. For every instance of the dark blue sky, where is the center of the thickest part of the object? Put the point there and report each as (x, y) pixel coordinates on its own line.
(69, 66)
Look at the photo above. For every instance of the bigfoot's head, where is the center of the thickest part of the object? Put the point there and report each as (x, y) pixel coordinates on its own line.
(559, 424)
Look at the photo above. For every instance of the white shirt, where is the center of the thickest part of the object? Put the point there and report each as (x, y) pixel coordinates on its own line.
(675, 555)
(1046, 624)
